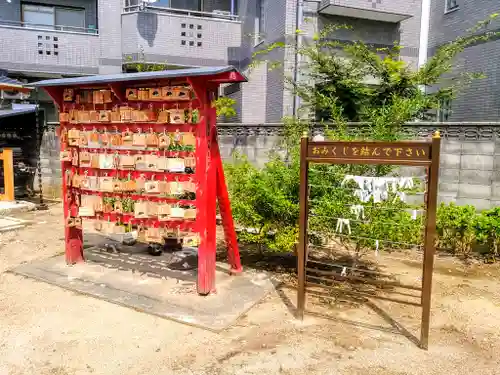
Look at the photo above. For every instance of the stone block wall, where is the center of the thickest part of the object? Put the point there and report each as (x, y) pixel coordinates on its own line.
(51, 166)
(470, 156)
(469, 169)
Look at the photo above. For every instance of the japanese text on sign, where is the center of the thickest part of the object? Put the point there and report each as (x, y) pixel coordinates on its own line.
(341, 150)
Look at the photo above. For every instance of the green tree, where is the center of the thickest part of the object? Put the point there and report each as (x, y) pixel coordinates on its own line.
(224, 105)
(334, 88)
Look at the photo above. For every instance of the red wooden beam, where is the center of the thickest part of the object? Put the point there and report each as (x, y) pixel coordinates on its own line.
(118, 90)
(228, 77)
(233, 253)
(56, 93)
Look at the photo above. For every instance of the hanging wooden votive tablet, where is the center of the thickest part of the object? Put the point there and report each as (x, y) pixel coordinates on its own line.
(177, 116)
(98, 97)
(132, 94)
(167, 93)
(163, 212)
(181, 93)
(155, 93)
(68, 95)
(143, 94)
(63, 117)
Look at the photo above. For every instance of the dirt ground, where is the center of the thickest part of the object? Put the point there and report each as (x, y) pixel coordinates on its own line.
(46, 330)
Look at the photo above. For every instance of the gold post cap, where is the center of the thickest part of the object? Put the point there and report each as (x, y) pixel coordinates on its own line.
(305, 134)
(437, 134)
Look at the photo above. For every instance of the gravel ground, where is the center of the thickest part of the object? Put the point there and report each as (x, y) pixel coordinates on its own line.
(47, 330)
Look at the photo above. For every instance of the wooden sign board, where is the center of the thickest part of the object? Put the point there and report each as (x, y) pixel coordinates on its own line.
(407, 153)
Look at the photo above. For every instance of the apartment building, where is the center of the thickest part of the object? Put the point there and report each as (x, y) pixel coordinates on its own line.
(450, 19)
(53, 38)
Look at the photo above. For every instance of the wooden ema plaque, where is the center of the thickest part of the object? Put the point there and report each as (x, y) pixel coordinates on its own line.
(140, 152)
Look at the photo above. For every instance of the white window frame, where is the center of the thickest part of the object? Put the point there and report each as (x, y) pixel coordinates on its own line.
(260, 22)
(450, 5)
(39, 8)
(53, 10)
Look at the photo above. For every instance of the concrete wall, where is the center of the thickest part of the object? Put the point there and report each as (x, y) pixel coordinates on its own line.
(60, 52)
(179, 39)
(482, 95)
(48, 51)
(110, 40)
(470, 157)
(469, 173)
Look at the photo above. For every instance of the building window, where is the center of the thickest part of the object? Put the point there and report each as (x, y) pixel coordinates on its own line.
(131, 3)
(451, 5)
(38, 15)
(444, 110)
(194, 5)
(260, 21)
(233, 88)
(53, 17)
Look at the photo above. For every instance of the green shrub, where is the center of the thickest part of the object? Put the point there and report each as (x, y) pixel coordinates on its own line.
(487, 230)
(333, 89)
(455, 227)
(265, 200)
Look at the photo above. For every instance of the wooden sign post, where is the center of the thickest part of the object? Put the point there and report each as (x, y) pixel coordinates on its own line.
(405, 153)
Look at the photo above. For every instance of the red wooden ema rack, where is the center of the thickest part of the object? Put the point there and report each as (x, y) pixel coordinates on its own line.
(165, 116)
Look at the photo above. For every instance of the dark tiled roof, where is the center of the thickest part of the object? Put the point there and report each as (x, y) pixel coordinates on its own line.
(6, 81)
(21, 110)
(124, 77)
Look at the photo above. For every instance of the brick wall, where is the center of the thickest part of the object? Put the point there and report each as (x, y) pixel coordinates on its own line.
(483, 96)
(262, 97)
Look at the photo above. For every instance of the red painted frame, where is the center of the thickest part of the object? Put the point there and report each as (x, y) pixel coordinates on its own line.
(209, 174)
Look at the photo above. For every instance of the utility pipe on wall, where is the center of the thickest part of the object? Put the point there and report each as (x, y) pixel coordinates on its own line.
(424, 34)
(298, 44)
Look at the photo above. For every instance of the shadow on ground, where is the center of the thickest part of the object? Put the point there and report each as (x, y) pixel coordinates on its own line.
(335, 291)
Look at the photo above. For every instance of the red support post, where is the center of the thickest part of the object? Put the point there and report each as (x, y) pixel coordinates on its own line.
(233, 253)
(206, 250)
(73, 237)
(211, 198)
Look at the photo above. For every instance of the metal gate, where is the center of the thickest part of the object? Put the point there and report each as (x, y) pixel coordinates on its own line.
(314, 273)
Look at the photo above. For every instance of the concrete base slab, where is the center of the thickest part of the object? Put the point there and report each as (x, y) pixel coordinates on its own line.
(10, 208)
(11, 223)
(170, 295)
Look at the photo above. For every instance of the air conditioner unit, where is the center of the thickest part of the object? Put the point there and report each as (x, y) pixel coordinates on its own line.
(13, 95)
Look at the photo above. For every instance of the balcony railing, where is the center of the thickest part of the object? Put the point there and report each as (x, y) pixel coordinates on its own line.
(142, 7)
(389, 11)
(180, 38)
(47, 50)
(61, 28)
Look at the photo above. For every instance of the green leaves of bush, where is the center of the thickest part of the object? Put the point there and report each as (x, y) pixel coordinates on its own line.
(461, 228)
(455, 227)
(265, 201)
